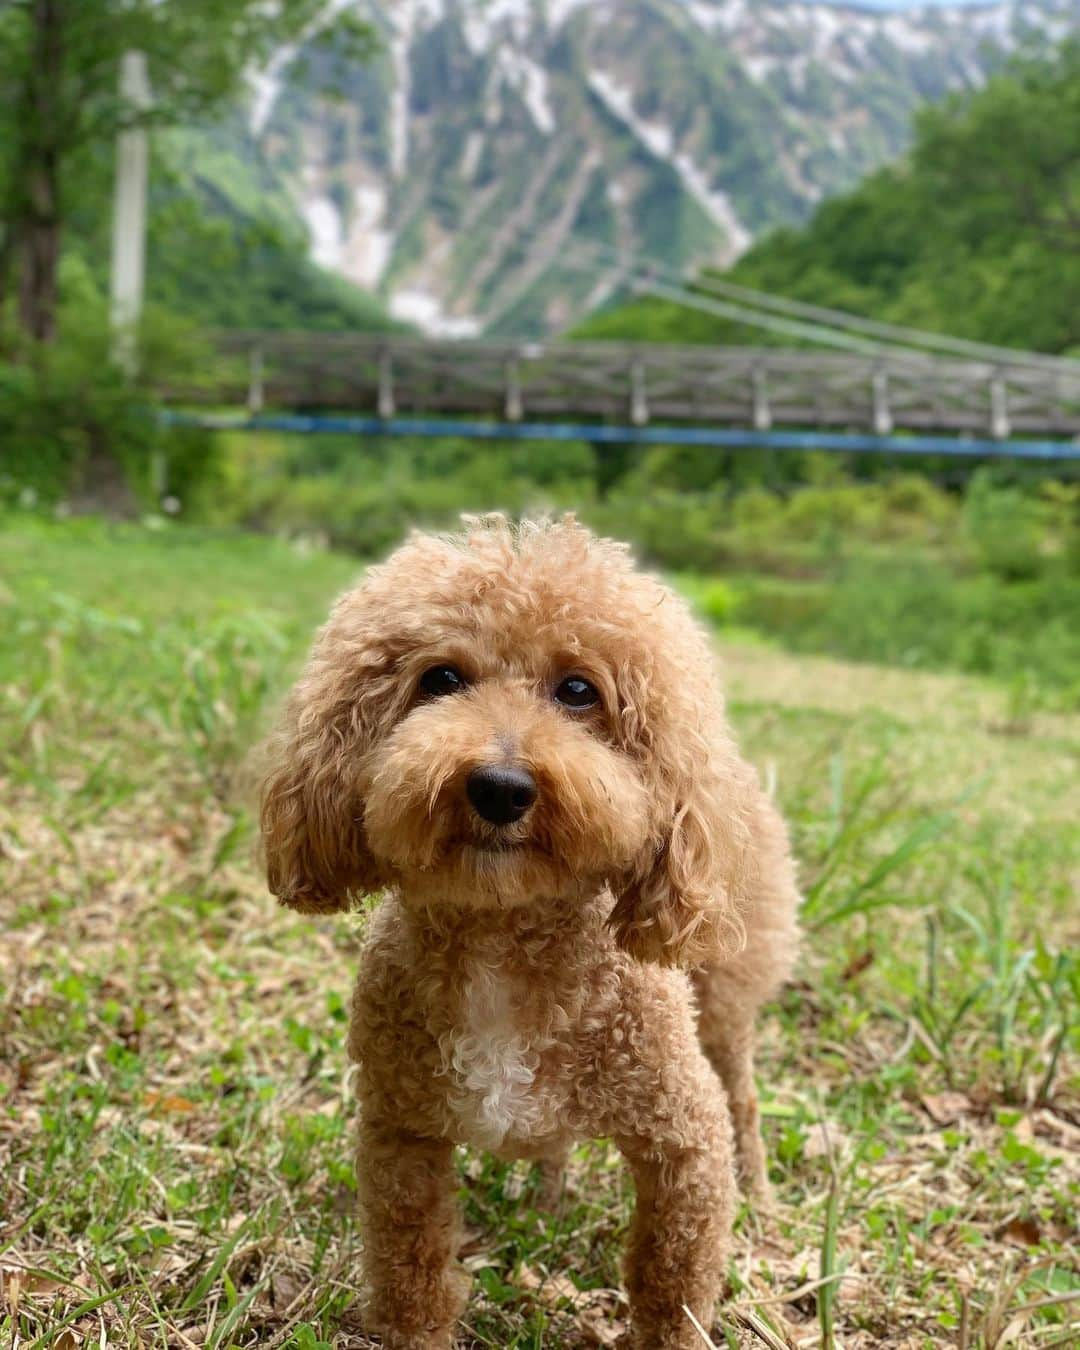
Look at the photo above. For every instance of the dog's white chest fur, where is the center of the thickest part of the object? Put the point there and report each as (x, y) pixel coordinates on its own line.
(493, 1062)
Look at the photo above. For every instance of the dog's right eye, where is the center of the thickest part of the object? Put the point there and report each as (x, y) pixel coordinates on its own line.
(441, 680)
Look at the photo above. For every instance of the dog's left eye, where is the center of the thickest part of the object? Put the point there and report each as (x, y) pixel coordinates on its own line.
(441, 680)
(575, 692)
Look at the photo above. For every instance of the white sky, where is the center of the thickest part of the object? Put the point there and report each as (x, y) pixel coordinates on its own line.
(903, 4)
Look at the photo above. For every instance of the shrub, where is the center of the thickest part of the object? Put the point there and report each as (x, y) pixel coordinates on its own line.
(365, 496)
(757, 511)
(675, 529)
(1005, 528)
(680, 468)
(909, 494)
(713, 598)
(912, 611)
(834, 513)
(72, 426)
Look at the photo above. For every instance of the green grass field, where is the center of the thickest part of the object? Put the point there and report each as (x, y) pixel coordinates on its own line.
(175, 1153)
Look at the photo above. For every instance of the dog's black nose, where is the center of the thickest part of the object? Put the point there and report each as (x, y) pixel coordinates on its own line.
(501, 793)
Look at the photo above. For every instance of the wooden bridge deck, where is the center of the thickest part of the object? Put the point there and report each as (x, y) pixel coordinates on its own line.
(635, 384)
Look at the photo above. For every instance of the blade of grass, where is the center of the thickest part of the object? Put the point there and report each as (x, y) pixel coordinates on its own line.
(206, 1281)
(81, 1311)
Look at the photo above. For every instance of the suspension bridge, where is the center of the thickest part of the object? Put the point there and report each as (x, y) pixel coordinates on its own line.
(879, 386)
(876, 387)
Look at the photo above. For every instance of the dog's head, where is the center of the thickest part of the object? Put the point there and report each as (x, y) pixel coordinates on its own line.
(508, 715)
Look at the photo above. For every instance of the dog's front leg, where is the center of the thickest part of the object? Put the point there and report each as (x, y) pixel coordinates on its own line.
(679, 1236)
(414, 1289)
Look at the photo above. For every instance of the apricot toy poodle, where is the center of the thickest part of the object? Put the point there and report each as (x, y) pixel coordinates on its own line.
(519, 741)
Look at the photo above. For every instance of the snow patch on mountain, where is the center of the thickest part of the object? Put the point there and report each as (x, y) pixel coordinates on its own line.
(903, 36)
(265, 87)
(324, 223)
(425, 310)
(266, 83)
(619, 100)
(560, 11)
(659, 141)
(759, 68)
(470, 156)
(717, 204)
(369, 244)
(530, 82)
(482, 22)
(728, 15)
(708, 16)
(403, 16)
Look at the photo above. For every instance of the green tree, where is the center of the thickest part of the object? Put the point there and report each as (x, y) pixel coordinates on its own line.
(1006, 163)
(59, 68)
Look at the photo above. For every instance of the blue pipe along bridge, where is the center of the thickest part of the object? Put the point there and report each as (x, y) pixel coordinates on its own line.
(1016, 406)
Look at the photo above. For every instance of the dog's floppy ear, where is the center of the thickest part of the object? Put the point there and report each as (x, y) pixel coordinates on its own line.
(682, 902)
(311, 811)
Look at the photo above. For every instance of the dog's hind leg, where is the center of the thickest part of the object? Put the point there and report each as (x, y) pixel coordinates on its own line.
(727, 1037)
(731, 993)
(552, 1181)
(414, 1290)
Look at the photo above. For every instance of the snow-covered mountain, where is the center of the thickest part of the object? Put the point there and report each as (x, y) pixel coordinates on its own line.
(498, 158)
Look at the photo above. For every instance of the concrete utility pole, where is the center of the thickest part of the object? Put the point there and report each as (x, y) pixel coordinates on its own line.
(129, 216)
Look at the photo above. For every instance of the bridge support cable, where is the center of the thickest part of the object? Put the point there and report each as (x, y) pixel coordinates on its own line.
(662, 284)
(894, 334)
(888, 335)
(797, 328)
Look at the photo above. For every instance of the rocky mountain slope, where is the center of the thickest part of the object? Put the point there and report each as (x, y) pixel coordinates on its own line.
(498, 161)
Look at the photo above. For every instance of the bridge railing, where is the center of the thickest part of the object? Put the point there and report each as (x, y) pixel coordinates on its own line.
(637, 383)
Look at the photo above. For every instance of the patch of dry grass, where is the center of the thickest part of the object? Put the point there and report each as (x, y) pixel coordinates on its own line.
(175, 1152)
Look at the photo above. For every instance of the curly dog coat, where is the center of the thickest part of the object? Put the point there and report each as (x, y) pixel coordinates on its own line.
(519, 739)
